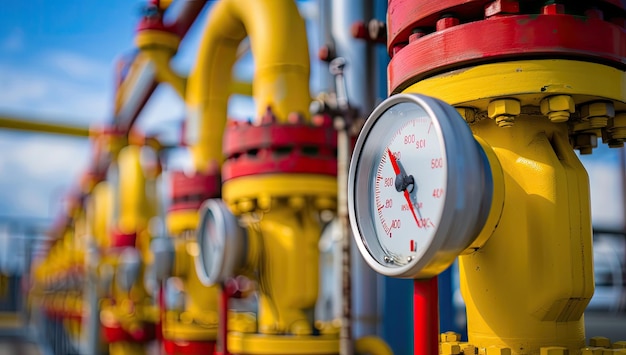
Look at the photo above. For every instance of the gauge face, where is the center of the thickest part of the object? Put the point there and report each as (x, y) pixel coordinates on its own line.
(222, 243)
(408, 186)
(411, 208)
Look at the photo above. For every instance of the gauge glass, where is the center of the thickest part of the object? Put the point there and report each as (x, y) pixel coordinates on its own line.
(408, 189)
(411, 208)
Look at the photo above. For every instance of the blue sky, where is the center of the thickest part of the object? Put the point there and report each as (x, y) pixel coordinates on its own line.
(56, 64)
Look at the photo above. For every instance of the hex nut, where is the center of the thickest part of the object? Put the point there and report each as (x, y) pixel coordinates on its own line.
(597, 109)
(603, 342)
(450, 349)
(558, 107)
(504, 107)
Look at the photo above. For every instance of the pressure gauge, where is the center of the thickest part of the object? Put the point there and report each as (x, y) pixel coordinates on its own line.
(222, 243)
(419, 188)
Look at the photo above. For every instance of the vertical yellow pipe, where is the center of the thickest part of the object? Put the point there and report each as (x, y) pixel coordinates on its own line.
(130, 194)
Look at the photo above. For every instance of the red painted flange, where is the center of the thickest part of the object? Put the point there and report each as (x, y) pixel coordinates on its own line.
(273, 147)
(183, 347)
(113, 333)
(504, 38)
(120, 239)
(189, 191)
(406, 15)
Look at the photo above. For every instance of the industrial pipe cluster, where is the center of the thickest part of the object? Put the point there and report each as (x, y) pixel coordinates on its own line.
(232, 266)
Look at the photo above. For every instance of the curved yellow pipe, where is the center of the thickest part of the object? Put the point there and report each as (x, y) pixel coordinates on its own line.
(278, 40)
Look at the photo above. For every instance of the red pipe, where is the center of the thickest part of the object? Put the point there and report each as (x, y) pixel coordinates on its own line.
(160, 324)
(227, 291)
(425, 317)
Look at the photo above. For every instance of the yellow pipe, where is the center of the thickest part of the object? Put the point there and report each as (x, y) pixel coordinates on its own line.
(159, 47)
(281, 69)
(100, 210)
(131, 309)
(131, 194)
(22, 124)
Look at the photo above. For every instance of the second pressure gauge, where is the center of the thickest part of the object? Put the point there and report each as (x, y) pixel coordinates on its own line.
(419, 187)
(222, 243)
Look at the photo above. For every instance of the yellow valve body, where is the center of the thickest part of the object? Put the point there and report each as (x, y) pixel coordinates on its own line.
(198, 321)
(528, 286)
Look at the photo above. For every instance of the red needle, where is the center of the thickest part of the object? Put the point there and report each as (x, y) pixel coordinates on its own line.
(394, 162)
(408, 199)
(396, 169)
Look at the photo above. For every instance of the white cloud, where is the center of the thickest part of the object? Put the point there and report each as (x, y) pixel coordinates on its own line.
(78, 66)
(39, 170)
(44, 95)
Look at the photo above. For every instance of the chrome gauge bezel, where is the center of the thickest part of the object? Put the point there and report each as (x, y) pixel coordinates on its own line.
(222, 243)
(468, 185)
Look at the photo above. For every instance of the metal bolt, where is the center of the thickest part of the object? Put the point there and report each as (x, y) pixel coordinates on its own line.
(619, 345)
(264, 202)
(598, 113)
(450, 349)
(297, 202)
(617, 127)
(603, 342)
(387, 259)
(585, 142)
(504, 111)
(409, 259)
(591, 351)
(450, 337)
(416, 34)
(553, 9)
(558, 107)
(377, 31)
(468, 349)
(446, 21)
(246, 205)
(325, 203)
(501, 7)
(582, 126)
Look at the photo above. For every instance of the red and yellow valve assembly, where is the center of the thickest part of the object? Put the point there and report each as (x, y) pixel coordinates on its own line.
(279, 174)
(193, 328)
(129, 315)
(534, 80)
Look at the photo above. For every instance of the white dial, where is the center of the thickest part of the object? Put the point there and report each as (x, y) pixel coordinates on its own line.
(419, 187)
(222, 243)
(411, 198)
